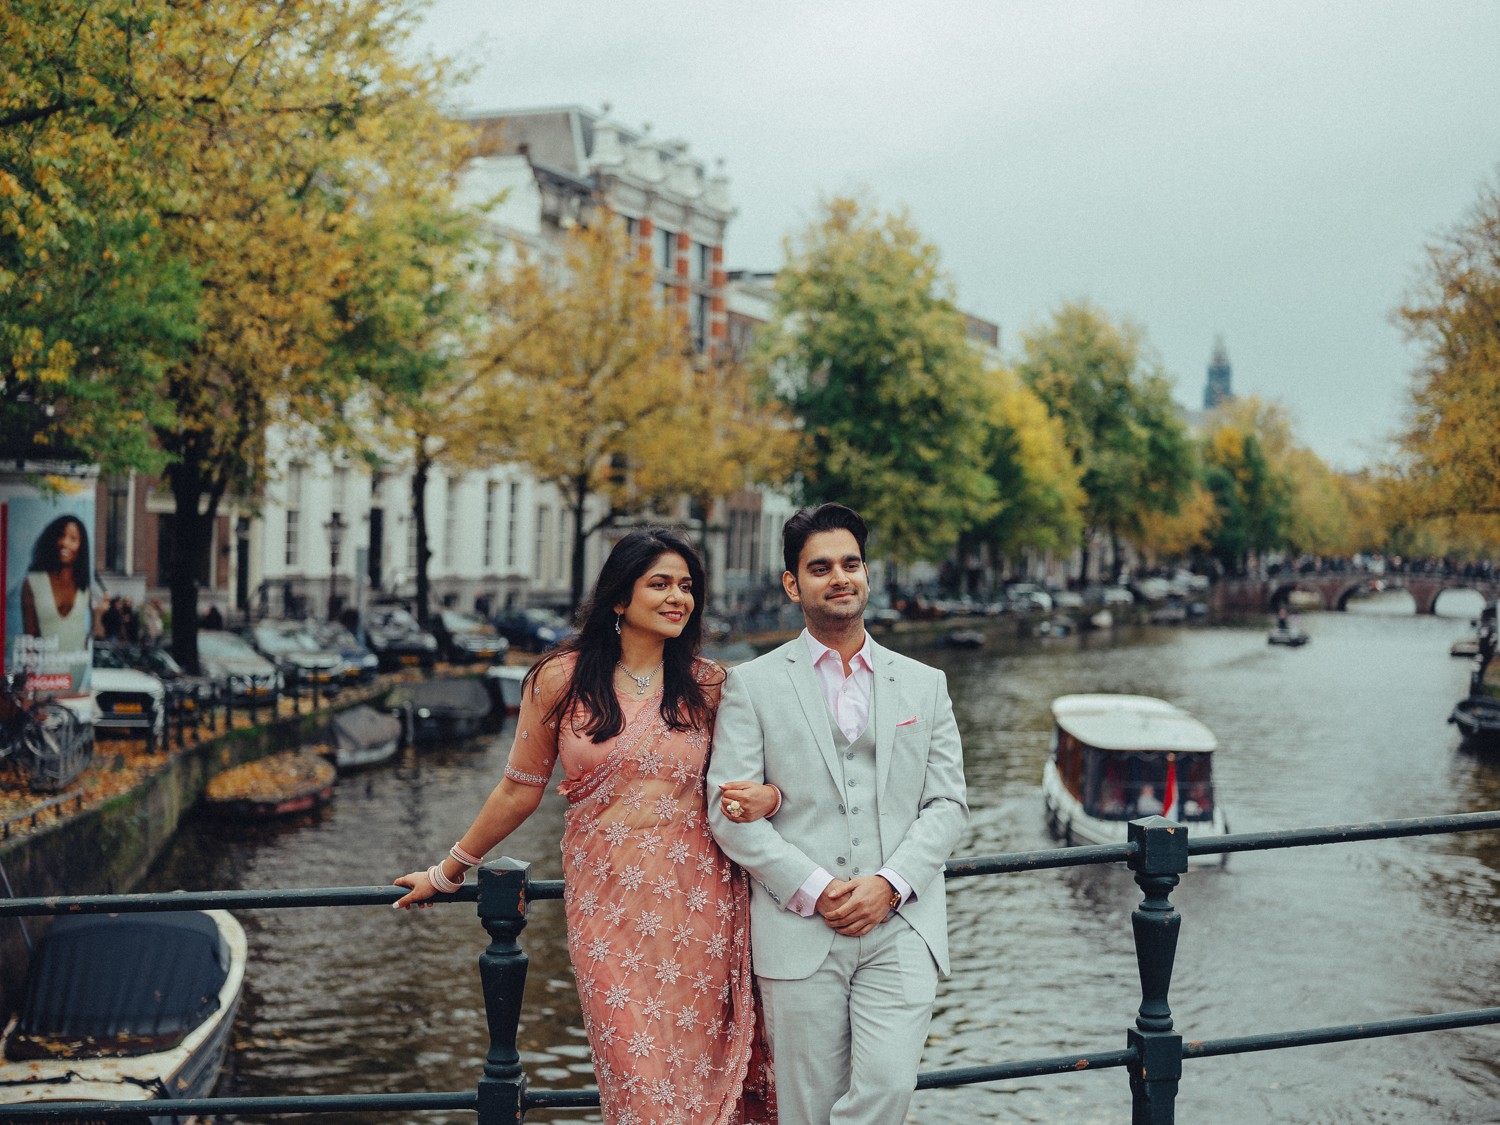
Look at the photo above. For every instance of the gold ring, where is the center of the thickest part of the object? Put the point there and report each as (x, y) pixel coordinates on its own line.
(734, 808)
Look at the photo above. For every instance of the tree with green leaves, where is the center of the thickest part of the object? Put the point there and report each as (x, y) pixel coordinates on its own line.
(873, 361)
(1125, 432)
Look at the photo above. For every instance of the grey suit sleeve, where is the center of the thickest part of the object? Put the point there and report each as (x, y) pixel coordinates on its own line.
(739, 754)
(943, 810)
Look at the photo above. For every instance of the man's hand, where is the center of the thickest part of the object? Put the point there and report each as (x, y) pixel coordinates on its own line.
(855, 908)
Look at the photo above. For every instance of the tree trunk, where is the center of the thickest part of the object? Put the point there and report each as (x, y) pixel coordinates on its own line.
(192, 535)
(420, 473)
(580, 540)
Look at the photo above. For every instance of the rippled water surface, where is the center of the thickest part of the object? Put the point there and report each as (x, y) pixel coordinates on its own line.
(1350, 728)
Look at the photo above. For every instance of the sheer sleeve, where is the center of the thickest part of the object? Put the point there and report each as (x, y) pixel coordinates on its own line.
(533, 754)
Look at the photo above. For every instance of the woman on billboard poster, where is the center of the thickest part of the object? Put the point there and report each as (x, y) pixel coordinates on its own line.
(55, 606)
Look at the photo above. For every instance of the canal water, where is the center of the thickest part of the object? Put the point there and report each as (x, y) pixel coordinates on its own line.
(1349, 728)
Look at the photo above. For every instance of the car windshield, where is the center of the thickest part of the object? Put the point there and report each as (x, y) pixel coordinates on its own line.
(108, 658)
(225, 646)
(456, 622)
(392, 619)
(160, 660)
(334, 635)
(278, 641)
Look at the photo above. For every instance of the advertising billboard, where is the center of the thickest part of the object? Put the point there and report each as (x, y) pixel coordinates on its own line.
(47, 562)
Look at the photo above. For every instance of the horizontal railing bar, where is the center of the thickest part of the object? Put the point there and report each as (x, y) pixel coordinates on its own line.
(1029, 1068)
(588, 1097)
(1275, 1041)
(1343, 833)
(543, 889)
(243, 900)
(1007, 862)
(186, 1107)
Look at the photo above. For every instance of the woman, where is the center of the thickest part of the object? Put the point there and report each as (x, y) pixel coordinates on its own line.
(658, 919)
(55, 599)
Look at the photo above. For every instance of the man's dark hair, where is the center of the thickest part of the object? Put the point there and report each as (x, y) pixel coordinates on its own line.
(806, 522)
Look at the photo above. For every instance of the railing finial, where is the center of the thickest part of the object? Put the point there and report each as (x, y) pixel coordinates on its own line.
(1160, 858)
(504, 887)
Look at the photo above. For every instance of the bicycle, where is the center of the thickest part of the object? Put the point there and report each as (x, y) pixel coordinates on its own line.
(43, 739)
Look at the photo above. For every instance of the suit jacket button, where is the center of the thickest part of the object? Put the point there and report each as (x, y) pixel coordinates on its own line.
(840, 861)
(855, 843)
(841, 808)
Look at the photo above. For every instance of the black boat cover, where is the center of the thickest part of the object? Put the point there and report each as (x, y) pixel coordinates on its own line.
(444, 697)
(362, 726)
(142, 981)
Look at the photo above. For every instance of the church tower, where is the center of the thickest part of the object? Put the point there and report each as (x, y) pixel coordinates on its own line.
(1217, 389)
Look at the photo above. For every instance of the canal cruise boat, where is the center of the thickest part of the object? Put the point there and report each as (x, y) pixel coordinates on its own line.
(1117, 758)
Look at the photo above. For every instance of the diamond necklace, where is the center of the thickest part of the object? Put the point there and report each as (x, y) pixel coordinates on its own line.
(641, 682)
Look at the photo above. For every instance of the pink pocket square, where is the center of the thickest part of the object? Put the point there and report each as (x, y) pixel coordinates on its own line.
(907, 722)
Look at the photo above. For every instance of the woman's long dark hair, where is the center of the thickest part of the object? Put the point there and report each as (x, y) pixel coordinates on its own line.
(590, 699)
(46, 557)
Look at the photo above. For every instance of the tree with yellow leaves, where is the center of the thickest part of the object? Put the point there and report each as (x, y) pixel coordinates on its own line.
(1451, 446)
(590, 383)
(1038, 495)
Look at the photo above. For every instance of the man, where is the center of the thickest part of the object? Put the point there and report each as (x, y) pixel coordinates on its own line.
(848, 922)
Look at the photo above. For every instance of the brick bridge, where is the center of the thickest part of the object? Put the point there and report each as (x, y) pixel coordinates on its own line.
(1264, 595)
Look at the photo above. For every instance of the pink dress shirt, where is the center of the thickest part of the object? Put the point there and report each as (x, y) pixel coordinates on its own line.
(848, 698)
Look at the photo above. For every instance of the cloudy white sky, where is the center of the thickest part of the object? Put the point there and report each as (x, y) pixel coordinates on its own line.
(1268, 170)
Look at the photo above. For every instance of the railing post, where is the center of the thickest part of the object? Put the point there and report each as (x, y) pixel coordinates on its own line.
(1161, 858)
(504, 886)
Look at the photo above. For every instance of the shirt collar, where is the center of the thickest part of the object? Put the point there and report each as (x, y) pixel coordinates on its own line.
(819, 651)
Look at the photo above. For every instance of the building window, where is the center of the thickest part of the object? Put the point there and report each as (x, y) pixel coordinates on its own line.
(411, 543)
(512, 518)
(294, 516)
(562, 546)
(698, 316)
(490, 488)
(543, 533)
(116, 524)
(666, 250)
(450, 525)
(632, 231)
(703, 262)
(341, 489)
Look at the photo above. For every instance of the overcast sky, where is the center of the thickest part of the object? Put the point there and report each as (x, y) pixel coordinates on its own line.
(1269, 171)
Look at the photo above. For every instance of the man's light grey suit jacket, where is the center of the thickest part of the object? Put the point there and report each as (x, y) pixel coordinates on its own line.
(773, 725)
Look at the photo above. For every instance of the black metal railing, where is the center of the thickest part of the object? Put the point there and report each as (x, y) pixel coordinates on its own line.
(1157, 851)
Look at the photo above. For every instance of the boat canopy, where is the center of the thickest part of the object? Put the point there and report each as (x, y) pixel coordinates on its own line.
(143, 981)
(460, 696)
(1129, 723)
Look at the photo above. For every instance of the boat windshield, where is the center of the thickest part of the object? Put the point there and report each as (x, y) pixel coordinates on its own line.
(1125, 786)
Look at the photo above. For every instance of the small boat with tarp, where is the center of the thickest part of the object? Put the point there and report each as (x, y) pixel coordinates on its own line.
(126, 1008)
(442, 710)
(503, 681)
(1117, 758)
(293, 781)
(362, 736)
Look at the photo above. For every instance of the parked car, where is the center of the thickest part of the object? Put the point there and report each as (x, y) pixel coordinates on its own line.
(360, 664)
(246, 675)
(129, 700)
(463, 638)
(533, 629)
(396, 639)
(185, 692)
(303, 664)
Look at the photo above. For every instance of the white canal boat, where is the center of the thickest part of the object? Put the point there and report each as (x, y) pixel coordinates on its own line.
(1117, 758)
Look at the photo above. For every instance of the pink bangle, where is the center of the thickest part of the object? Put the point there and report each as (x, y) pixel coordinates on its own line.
(440, 881)
(777, 809)
(464, 857)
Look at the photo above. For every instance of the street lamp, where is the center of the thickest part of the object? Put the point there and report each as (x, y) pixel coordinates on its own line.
(335, 528)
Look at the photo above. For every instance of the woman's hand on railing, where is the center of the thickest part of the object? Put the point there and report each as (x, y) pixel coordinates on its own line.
(421, 890)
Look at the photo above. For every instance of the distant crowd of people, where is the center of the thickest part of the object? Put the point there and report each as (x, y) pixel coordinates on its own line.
(119, 621)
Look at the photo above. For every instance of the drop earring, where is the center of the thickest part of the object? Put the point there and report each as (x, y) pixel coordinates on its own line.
(618, 618)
